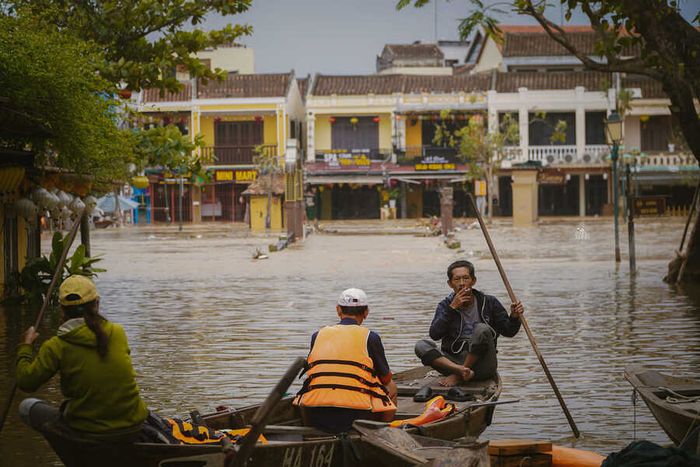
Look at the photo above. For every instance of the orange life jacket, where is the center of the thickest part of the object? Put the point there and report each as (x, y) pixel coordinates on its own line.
(340, 373)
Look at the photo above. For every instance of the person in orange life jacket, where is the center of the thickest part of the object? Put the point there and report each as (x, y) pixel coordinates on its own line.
(467, 322)
(93, 358)
(348, 377)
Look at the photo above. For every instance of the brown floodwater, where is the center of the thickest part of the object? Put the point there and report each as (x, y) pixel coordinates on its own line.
(209, 325)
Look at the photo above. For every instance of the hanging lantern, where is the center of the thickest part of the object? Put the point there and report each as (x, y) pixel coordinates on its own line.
(376, 119)
(259, 118)
(644, 118)
(354, 120)
(90, 203)
(125, 93)
(26, 208)
(64, 199)
(217, 119)
(321, 188)
(435, 117)
(76, 205)
(166, 120)
(65, 213)
(140, 182)
(41, 197)
(331, 119)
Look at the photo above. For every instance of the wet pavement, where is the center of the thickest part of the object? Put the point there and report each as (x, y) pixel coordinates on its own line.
(209, 325)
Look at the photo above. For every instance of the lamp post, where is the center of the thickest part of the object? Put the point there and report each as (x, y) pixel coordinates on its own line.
(613, 126)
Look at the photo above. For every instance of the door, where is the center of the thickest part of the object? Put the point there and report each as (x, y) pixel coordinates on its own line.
(236, 141)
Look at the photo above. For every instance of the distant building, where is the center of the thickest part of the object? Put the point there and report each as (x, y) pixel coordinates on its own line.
(231, 58)
(412, 59)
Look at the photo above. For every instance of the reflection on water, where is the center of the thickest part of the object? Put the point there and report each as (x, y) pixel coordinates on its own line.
(208, 325)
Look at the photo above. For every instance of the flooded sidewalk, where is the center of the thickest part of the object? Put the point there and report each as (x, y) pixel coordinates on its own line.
(209, 325)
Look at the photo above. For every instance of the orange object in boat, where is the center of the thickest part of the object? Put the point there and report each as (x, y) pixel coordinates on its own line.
(435, 409)
(570, 457)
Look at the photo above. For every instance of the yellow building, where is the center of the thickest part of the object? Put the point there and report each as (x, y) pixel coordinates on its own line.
(370, 145)
(242, 120)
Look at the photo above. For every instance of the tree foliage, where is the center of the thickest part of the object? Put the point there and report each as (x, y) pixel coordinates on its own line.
(168, 148)
(143, 41)
(48, 82)
(668, 45)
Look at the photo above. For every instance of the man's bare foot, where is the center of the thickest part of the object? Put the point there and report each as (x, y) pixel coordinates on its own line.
(449, 381)
(465, 375)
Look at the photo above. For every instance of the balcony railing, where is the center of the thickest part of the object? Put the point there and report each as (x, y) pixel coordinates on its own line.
(567, 154)
(422, 154)
(235, 155)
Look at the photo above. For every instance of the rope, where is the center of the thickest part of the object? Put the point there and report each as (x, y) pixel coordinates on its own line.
(676, 398)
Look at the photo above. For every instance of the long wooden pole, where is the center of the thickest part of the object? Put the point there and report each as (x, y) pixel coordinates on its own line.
(523, 320)
(47, 299)
(240, 457)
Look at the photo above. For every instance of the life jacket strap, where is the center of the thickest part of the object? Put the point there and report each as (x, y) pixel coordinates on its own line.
(342, 362)
(383, 397)
(359, 378)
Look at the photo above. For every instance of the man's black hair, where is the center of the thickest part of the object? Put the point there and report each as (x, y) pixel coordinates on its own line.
(460, 264)
(353, 310)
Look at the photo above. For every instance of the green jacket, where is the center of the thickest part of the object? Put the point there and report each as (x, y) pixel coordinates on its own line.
(102, 395)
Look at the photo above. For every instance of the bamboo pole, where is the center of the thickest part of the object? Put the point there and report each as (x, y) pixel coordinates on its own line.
(523, 320)
(57, 273)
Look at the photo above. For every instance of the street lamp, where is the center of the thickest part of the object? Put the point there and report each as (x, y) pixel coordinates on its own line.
(613, 126)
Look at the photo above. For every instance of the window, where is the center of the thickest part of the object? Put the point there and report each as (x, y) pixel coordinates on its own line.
(542, 128)
(656, 133)
(361, 135)
(595, 128)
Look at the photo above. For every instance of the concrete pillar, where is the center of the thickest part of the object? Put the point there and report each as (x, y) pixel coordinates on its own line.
(446, 204)
(580, 130)
(524, 197)
(582, 195)
(524, 124)
(196, 203)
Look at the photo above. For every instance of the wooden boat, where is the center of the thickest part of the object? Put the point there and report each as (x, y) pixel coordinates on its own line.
(289, 443)
(674, 402)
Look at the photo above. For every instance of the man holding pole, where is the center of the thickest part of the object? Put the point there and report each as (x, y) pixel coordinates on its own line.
(467, 322)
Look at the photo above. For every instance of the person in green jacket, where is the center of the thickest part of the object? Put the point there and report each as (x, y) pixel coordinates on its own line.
(93, 357)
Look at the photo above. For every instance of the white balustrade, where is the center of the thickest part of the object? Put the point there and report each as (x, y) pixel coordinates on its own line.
(552, 154)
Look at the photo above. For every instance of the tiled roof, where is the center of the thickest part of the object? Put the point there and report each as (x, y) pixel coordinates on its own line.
(352, 85)
(651, 89)
(261, 186)
(413, 51)
(591, 80)
(184, 95)
(255, 85)
(538, 43)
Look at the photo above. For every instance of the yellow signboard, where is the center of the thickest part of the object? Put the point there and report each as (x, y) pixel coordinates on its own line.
(246, 176)
(436, 166)
(224, 175)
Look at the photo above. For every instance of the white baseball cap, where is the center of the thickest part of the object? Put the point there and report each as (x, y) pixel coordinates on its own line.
(353, 297)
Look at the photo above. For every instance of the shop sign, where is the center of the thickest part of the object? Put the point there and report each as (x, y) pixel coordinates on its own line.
(650, 206)
(435, 163)
(344, 158)
(239, 176)
(224, 176)
(551, 177)
(246, 176)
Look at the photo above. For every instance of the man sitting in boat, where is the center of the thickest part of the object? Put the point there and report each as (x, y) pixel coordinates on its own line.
(348, 377)
(92, 356)
(467, 322)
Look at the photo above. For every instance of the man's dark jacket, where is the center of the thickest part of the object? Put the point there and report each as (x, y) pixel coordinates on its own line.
(447, 322)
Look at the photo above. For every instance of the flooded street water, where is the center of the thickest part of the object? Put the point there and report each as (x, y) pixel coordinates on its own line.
(209, 325)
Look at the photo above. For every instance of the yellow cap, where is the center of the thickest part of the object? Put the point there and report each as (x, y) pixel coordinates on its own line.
(77, 290)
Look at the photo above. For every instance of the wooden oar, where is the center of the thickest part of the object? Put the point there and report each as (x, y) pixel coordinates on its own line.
(49, 293)
(523, 320)
(244, 449)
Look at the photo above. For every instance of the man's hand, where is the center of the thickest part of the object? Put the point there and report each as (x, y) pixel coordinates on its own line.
(462, 298)
(517, 309)
(29, 336)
